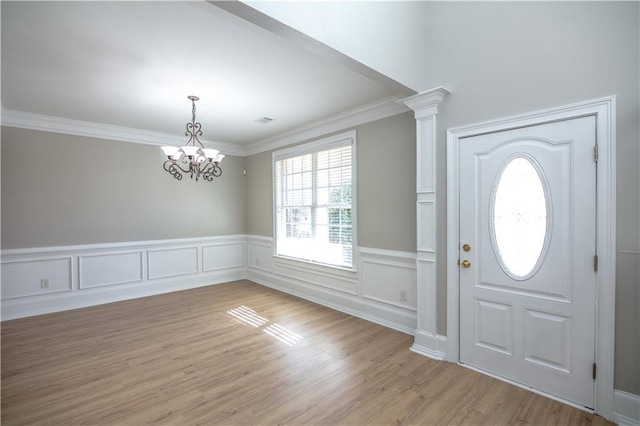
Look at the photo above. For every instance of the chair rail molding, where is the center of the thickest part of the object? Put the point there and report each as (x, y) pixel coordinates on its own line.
(425, 106)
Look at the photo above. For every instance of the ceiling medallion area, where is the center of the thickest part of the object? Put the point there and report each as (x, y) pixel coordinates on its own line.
(193, 158)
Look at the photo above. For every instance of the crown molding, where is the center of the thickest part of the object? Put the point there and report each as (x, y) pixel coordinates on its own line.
(426, 103)
(46, 123)
(378, 110)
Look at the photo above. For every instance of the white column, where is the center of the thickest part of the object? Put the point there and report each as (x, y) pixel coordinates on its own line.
(425, 105)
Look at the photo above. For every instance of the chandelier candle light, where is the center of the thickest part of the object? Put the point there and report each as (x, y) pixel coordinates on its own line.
(197, 160)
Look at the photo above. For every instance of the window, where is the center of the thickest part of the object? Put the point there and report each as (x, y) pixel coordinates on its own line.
(315, 201)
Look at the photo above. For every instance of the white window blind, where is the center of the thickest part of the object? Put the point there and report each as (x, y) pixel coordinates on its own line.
(314, 208)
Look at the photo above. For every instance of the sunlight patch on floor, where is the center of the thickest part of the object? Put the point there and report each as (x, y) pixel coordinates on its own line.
(283, 334)
(248, 316)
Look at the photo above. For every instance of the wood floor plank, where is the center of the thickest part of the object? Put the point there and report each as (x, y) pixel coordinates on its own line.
(242, 354)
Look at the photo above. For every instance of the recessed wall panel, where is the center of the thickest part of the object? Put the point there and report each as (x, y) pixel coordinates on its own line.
(222, 256)
(25, 278)
(110, 269)
(426, 226)
(172, 262)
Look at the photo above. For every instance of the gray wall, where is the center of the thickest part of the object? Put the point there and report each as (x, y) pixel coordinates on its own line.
(61, 190)
(260, 194)
(506, 58)
(386, 162)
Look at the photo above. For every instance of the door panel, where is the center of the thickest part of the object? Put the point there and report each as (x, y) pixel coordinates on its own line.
(527, 290)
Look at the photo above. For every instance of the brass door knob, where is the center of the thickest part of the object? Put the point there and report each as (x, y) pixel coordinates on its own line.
(465, 264)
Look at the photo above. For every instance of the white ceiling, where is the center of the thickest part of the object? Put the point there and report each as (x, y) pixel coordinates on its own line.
(132, 64)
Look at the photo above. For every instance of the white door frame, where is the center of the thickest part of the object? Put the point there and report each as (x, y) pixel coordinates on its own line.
(604, 112)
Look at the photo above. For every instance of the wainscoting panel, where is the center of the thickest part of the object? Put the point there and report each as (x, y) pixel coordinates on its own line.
(372, 292)
(222, 256)
(93, 274)
(109, 269)
(259, 253)
(24, 278)
(172, 262)
(389, 277)
(324, 276)
(626, 408)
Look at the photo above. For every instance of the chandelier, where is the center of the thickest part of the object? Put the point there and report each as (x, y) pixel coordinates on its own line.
(194, 160)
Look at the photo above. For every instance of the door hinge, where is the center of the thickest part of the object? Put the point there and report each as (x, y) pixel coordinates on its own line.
(594, 371)
(595, 153)
(595, 263)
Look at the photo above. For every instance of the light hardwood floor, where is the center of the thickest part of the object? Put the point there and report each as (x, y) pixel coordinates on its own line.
(240, 353)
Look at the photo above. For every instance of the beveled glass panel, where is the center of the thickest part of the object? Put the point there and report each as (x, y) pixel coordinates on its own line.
(520, 218)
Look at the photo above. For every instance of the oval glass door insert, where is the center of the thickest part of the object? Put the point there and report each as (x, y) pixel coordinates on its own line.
(519, 218)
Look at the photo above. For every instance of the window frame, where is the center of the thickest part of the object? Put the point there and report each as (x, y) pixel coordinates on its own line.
(327, 143)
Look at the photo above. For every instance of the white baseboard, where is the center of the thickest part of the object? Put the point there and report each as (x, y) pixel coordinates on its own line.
(626, 408)
(52, 279)
(432, 346)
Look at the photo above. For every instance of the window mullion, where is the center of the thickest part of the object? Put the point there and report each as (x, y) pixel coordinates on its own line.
(314, 193)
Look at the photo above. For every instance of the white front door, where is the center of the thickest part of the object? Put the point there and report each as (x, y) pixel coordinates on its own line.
(527, 247)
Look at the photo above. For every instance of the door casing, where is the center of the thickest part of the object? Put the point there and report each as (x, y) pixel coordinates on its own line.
(604, 112)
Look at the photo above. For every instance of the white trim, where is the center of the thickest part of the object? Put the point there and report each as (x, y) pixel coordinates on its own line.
(626, 408)
(8, 253)
(334, 141)
(339, 279)
(191, 252)
(430, 345)
(347, 289)
(140, 279)
(339, 289)
(373, 111)
(345, 139)
(396, 255)
(397, 319)
(604, 111)
(17, 269)
(259, 239)
(425, 105)
(139, 276)
(377, 110)
(67, 126)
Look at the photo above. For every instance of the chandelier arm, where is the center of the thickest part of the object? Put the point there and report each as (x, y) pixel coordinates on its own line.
(173, 169)
(203, 169)
(173, 164)
(211, 170)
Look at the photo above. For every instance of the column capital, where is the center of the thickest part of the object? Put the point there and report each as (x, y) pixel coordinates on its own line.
(426, 103)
